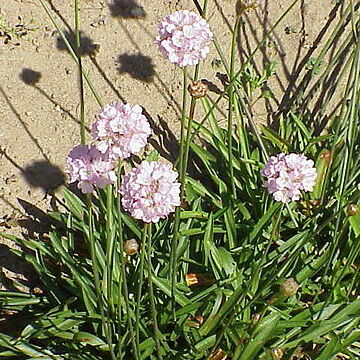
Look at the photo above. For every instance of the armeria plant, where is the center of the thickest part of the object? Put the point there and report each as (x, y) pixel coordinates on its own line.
(255, 255)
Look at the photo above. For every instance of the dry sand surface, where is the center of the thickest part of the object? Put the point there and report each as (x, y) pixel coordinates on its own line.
(39, 98)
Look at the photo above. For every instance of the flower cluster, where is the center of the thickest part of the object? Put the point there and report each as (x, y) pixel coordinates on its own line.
(288, 175)
(184, 38)
(150, 191)
(121, 130)
(88, 166)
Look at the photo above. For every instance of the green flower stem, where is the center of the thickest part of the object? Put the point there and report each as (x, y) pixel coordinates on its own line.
(202, 10)
(81, 80)
(243, 141)
(140, 284)
(104, 320)
(350, 142)
(233, 80)
(72, 52)
(192, 103)
(156, 334)
(187, 145)
(181, 168)
(231, 106)
(105, 324)
(107, 278)
(182, 161)
(125, 292)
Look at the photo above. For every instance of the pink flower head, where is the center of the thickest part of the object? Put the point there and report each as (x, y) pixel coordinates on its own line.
(121, 130)
(184, 38)
(90, 168)
(150, 191)
(288, 175)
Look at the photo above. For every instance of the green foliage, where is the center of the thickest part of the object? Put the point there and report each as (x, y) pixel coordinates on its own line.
(314, 65)
(12, 34)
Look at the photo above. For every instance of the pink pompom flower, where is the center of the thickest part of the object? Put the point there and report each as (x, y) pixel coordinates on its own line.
(90, 168)
(288, 175)
(121, 130)
(150, 191)
(184, 38)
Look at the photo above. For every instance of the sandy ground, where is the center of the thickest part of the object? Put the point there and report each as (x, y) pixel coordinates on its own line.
(39, 98)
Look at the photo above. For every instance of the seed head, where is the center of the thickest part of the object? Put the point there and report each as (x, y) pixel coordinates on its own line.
(197, 89)
(277, 353)
(352, 210)
(289, 287)
(131, 247)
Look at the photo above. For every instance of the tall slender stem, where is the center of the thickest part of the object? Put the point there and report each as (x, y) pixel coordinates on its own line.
(72, 52)
(193, 100)
(81, 80)
(350, 143)
(232, 80)
(182, 168)
(125, 292)
(107, 281)
(105, 324)
(104, 320)
(140, 284)
(231, 108)
(187, 145)
(151, 292)
(182, 171)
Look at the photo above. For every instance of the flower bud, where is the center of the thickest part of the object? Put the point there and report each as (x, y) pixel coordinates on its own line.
(352, 210)
(195, 321)
(197, 89)
(37, 291)
(198, 279)
(255, 318)
(289, 287)
(277, 353)
(131, 247)
(218, 354)
(314, 204)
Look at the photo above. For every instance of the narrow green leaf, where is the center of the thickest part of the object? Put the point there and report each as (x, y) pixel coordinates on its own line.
(88, 339)
(205, 344)
(322, 167)
(263, 333)
(208, 238)
(301, 126)
(76, 206)
(164, 286)
(274, 138)
(264, 220)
